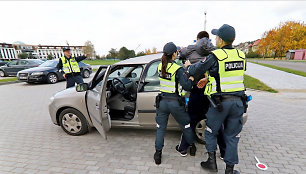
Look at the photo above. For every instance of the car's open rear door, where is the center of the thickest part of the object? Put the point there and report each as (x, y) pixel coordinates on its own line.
(97, 106)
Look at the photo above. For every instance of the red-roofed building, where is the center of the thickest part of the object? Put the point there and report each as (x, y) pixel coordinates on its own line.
(255, 45)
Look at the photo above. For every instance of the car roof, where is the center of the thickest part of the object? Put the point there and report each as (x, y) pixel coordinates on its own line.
(140, 60)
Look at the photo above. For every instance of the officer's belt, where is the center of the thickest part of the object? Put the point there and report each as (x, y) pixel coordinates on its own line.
(230, 97)
(169, 98)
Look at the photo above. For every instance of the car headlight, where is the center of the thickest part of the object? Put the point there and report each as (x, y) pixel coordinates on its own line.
(37, 73)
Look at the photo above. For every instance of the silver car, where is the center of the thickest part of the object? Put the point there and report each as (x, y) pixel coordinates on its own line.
(123, 95)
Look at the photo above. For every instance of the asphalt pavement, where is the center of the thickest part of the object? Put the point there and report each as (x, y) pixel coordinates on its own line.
(279, 80)
(295, 65)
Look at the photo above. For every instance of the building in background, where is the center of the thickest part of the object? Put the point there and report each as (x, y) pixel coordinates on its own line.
(7, 52)
(57, 51)
(11, 51)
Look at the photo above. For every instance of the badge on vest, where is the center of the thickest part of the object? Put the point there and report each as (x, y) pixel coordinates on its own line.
(168, 75)
(234, 65)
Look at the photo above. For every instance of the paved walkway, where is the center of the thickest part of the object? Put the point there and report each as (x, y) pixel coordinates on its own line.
(300, 66)
(276, 79)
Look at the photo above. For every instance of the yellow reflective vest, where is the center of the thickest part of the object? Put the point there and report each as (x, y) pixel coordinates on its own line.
(74, 65)
(231, 71)
(168, 84)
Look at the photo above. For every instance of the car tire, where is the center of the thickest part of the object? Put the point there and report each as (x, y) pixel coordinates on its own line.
(199, 131)
(86, 73)
(73, 122)
(2, 73)
(52, 78)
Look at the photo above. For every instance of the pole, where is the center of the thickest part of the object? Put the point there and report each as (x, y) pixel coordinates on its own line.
(205, 12)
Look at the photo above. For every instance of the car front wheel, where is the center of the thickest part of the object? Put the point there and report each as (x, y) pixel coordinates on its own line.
(86, 73)
(52, 78)
(73, 122)
(199, 131)
(2, 74)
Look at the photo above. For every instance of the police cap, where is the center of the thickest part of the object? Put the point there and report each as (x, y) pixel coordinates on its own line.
(170, 48)
(225, 32)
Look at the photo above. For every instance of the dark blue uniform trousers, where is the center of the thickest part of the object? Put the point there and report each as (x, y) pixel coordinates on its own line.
(232, 118)
(197, 108)
(179, 113)
(71, 80)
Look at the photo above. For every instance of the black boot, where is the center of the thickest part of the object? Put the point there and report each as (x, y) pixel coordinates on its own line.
(230, 169)
(211, 163)
(157, 157)
(193, 150)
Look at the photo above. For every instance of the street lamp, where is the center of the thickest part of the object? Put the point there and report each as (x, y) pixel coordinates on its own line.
(205, 12)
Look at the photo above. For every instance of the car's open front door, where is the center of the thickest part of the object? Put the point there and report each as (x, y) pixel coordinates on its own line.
(97, 106)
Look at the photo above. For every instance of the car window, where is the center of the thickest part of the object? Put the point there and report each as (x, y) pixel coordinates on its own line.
(14, 62)
(23, 62)
(136, 72)
(151, 78)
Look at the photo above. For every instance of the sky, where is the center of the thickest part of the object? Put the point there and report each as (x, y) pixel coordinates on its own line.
(138, 25)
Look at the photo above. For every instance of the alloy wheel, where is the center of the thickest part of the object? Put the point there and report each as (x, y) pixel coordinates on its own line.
(53, 78)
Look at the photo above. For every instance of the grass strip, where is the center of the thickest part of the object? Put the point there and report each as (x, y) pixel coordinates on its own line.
(254, 83)
(12, 79)
(301, 73)
(100, 62)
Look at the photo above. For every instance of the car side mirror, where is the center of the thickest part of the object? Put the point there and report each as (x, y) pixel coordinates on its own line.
(7, 64)
(133, 75)
(81, 87)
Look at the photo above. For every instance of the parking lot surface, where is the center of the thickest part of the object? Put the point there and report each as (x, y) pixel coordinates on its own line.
(31, 143)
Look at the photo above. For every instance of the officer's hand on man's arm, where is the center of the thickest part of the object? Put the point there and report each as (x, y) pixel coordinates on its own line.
(187, 63)
(202, 82)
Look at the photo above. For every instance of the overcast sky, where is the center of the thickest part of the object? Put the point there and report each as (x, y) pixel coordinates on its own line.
(149, 24)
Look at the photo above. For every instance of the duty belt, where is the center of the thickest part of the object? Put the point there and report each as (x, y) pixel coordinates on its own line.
(230, 97)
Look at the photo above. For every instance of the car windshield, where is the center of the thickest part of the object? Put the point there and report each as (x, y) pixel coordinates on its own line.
(49, 63)
(37, 61)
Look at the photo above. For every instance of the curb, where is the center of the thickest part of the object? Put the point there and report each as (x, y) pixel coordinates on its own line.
(11, 82)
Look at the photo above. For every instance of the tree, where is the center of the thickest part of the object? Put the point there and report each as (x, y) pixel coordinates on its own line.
(23, 55)
(89, 49)
(154, 50)
(112, 54)
(141, 53)
(125, 53)
(30, 56)
(288, 35)
(148, 51)
(49, 57)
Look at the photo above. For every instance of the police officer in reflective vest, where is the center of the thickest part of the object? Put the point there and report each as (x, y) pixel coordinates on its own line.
(173, 82)
(69, 64)
(225, 67)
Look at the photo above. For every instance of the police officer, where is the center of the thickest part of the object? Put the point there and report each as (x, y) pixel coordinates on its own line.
(69, 64)
(170, 101)
(225, 89)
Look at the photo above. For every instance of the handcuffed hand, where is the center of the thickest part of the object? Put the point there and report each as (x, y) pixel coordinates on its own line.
(202, 82)
(187, 63)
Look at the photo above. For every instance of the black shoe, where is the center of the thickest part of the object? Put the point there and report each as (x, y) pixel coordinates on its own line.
(193, 150)
(230, 169)
(157, 157)
(183, 153)
(211, 163)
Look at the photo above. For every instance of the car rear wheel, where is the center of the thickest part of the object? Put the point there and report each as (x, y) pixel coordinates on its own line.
(2, 74)
(52, 78)
(73, 122)
(86, 73)
(199, 131)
